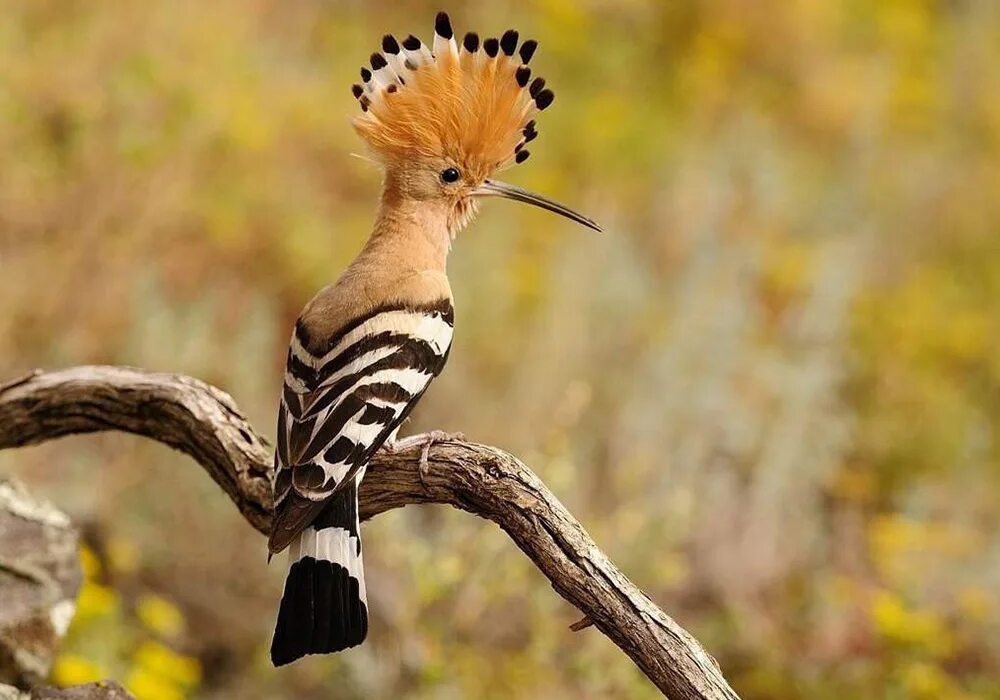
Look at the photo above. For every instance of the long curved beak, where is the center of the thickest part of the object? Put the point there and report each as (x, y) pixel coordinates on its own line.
(495, 188)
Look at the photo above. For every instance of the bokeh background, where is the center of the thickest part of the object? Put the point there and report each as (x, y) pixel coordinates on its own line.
(770, 391)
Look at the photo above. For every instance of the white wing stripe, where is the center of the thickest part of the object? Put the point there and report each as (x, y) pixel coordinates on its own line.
(412, 381)
(337, 471)
(361, 434)
(429, 327)
(295, 384)
(325, 413)
(369, 358)
(435, 332)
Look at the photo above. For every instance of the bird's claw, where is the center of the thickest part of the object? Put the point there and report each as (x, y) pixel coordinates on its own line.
(429, 439)
(425, 441)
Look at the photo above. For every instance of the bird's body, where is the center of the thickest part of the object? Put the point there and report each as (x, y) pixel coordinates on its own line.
(363, 352)
(366, 348)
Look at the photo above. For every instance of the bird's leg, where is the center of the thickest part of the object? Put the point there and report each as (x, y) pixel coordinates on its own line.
(423, 440)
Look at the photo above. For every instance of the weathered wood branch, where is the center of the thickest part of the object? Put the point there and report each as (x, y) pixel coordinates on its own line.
(39, 579)
(205, 423)
(103, 690)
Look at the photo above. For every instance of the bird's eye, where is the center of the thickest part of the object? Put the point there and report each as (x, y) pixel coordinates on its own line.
(450, 175)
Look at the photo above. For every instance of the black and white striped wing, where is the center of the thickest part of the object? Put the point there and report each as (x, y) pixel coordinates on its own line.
(340, 405)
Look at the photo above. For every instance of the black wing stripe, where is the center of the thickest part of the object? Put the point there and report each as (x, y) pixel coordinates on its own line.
(415, 355)
(352, 353)
(400, 332)
(358, 458)
(299, 438)
(293, 402)
(378, 414)
(386, 392)
(330, 428)
(339, 451)
(299, 369)
(346, 454)
(308, 477)
(441, 307)
(349, 407)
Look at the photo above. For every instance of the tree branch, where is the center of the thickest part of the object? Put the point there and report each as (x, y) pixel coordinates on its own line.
(204, 422)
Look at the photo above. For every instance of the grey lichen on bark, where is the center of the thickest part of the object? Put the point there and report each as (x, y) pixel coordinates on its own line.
(102, 690)
(39, 579)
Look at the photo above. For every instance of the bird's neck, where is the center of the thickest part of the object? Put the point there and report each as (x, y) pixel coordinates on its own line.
(410, 233)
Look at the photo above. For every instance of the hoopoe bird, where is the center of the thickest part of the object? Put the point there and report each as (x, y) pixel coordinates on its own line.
(440, 120)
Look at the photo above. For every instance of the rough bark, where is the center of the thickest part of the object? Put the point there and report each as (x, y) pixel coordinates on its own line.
(102, 690)
(205, 423)
(39, 579)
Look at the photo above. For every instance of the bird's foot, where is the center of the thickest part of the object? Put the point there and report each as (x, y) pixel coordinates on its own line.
(425, 441)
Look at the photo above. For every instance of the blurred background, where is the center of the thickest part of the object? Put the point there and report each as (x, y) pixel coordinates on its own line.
(771, 391)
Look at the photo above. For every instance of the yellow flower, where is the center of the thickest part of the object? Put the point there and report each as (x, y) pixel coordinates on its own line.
(923, 680)
(89, 562)
(95, 601)
(920, 628)
(146, 685)
(168, 664)
(70, 669)
(159, 615)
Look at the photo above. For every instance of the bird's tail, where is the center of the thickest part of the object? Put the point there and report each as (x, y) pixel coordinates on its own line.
(324, 607)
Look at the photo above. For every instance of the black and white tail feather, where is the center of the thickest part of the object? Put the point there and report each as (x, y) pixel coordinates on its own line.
(324, 607)
(344, 396)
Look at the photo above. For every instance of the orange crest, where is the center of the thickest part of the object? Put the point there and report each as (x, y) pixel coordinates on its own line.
(471, 106)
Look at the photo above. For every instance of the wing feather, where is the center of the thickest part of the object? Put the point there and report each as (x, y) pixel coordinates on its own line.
(340, 403)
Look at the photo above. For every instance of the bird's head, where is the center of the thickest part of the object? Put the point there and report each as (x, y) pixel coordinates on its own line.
(442, 120)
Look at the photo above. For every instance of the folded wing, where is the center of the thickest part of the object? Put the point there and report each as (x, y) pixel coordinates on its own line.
(341, 402)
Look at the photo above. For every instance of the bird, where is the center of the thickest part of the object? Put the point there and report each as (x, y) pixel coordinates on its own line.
(440, 121)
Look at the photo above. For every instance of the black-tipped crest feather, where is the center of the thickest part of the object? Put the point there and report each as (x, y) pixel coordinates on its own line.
(442, 26)
(544, 99)
(508, 42)
(528, 50)
(389, 44)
